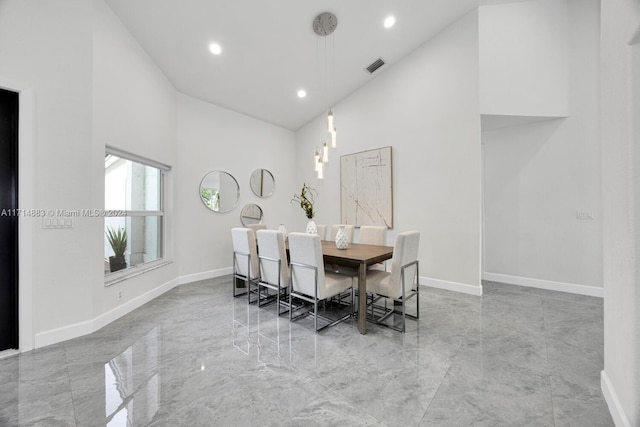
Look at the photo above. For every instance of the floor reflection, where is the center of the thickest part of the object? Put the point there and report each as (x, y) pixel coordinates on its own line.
(132, 385)
(241, 322)
(198, 356)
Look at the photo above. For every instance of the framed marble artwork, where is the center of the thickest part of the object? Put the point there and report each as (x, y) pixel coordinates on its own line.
(366, 188)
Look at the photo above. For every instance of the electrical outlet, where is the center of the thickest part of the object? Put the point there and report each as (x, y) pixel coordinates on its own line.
(119, 295)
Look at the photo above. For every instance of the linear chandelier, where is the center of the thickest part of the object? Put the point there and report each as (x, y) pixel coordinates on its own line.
(324, 25)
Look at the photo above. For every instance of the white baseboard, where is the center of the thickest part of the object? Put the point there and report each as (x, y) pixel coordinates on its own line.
(211, 274)
(63, 333)
(550, 285)
(112, 315)
(615, 408)
(5, 354)
(79, 329)
(451, 286)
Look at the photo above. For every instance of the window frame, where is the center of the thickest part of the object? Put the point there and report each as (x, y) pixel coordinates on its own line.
(112, 278)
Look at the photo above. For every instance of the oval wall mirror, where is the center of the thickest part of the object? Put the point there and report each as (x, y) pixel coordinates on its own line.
(262, 183)
(251, 214)
(219, 191)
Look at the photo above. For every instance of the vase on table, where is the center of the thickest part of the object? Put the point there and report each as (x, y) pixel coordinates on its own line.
(341, 238)
(311, 227)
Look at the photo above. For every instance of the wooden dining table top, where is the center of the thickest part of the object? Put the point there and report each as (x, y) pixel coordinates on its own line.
(355, 253)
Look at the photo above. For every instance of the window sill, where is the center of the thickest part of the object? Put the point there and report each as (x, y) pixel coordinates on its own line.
(113, 278)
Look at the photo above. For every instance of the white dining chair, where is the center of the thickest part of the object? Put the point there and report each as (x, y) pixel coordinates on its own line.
(322, 231)
(310, 282)
(401, 283)
(256, 227)
(275, 273)
(373, 235)
(245, 260)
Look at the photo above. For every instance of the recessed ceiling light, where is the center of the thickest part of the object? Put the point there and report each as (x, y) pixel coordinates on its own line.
(215, 48)
(389, 21)
(302, 93)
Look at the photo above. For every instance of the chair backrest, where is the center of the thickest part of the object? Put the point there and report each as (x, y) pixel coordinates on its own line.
(244, 245)
(322, 231)
(306, 249)
(271, 245)
(348, 229)
(373, 235)
(256, 227)
(405, 251)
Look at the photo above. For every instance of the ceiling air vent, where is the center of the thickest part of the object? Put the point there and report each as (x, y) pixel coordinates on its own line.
(375, 65)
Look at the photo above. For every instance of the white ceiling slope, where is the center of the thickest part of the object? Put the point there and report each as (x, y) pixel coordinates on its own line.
(270, 50)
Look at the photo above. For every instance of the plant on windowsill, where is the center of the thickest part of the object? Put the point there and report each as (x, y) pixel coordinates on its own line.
(118, 241)
(306, 199)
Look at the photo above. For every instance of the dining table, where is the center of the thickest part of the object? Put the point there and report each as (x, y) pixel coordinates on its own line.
(357, 256)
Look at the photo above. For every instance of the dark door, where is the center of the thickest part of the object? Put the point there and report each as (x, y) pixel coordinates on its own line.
(8, 220)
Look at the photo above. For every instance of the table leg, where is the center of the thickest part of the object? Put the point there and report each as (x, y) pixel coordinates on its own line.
(362, 298)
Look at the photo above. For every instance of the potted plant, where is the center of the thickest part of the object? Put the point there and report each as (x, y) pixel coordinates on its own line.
(306, 199)
(118, 241)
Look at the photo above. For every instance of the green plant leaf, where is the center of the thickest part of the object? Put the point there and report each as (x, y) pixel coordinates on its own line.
(117, 240)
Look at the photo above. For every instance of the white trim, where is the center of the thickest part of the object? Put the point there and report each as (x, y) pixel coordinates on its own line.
(127, 307)
(89, 326)
(5, 354)
(136, 270)
(26, 199)
(620, 419)
(196, 277)
(123, 154)
(550, 285)
(451, 286)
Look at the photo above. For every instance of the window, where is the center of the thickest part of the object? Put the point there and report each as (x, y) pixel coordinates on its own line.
(133, 200)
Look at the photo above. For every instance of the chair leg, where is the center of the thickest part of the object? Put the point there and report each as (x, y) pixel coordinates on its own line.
(290, 308)
(315, 315)
(353, 307)
(403, 317)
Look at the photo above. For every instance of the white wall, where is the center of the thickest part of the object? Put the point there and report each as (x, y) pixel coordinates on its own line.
(92, 85)
(213, 138)
(426, 108)
(47, 47)
(134, 109)
(539, 175)
(620, 103)
(523, 58)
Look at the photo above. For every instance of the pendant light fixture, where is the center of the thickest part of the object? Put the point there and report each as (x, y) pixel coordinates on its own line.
(316, 160)
(331, 128)
(324, 25)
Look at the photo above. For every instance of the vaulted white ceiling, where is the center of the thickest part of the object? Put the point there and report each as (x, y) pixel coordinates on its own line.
(269, 49)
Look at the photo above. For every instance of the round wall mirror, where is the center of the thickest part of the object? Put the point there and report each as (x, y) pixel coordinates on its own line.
(219, 191)
(262, 183)
(251, 214)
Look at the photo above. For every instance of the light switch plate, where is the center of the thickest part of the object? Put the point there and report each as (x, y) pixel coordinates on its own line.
(584, 215)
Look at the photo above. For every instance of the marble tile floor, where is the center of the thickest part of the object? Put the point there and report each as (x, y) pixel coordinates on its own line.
(198, 357)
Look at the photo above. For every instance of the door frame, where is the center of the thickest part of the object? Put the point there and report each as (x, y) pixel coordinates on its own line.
(26, 200)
